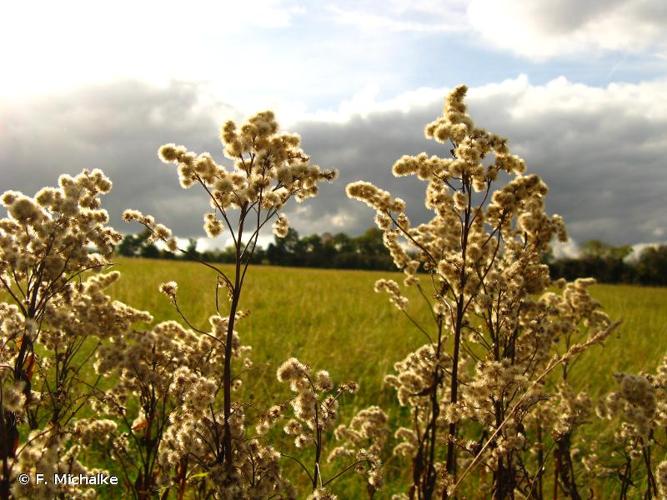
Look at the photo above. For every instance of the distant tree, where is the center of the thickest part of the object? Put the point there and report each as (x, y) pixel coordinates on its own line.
(132, 244)
(343, 243)
(602, 261)
(652, 266)
(149, 251)
(328, 251)
(291, 241)
(370, 243)
(333, 251)
(312, 244)
(310, 251)
(126, 247)
(191, 251)
(283, 251)
(600, 249)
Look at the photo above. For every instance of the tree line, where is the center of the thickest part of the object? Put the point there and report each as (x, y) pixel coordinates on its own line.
(604, 262)
(609, 264)
(339, 251)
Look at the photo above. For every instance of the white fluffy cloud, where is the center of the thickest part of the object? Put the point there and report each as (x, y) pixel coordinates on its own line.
(541, 29)
(536, 29)
(74, 42)
(425, 16)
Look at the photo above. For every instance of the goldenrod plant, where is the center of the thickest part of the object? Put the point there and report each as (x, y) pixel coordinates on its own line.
(477, 388)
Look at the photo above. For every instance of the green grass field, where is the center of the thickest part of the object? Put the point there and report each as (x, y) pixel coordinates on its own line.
(332, 319)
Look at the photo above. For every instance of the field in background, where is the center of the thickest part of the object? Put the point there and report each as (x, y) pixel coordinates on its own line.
(332, 319)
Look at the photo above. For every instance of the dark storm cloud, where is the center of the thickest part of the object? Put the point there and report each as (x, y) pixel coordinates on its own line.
(604, 160)
(365, 149)
(602, 152)
(117, 128)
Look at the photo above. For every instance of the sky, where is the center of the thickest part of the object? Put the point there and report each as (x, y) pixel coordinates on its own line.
(579, 88)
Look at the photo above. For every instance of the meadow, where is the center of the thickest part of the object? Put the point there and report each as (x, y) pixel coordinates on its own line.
(492, 402)
(332, 319)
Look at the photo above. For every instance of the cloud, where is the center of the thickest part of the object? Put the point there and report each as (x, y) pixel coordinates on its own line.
(538, 30)
(425, 16)
(566, 250)
(602, 150)
(64, 44)
(116, 128)
(542, 29)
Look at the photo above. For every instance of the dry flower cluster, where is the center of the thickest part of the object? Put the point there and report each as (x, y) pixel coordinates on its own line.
(53, 249)
(492, 410)
(488, 392)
